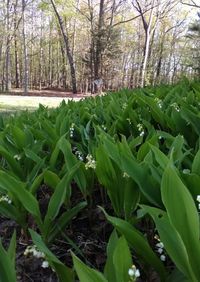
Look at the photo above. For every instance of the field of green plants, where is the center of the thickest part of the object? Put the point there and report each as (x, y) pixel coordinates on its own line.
(103, 190)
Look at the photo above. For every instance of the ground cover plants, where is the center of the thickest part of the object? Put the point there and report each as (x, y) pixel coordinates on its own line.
(105, 189)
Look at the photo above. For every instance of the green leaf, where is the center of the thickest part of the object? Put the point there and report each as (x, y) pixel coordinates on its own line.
(192, 118)
(36, 183)
(122, 260)
(7, 268)
(12, 248)
(11, 212)
(109, 270)
(51, 179)
(70, 161)
(17, 189)
(19, 137)
(177, 276)
(182, 214)
(63, 272)
(161, 158)
(85, 273)
(61, 193)
(12, 162)
(196, 163)
(32, 156)
(131, 197)
(172, 241)
(138, 242)
(50, 131)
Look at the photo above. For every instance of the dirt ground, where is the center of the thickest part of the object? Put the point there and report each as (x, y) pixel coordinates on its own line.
(52, 98)
(50, 93)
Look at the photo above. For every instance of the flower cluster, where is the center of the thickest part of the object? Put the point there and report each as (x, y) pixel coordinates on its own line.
(160, 250)
(134, 273)
(71, 130)
(125, 175)
(124, 106)
(186, 171)
(198, 200)
(36, 253)
(5, 199)
(104, 127)
(17, 157)
(175, 106)
(79, 155)
(91, 163)
(140, 129)
(129, 120)
(159, 102)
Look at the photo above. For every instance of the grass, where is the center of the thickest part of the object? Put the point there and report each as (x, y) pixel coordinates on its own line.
(10, 103)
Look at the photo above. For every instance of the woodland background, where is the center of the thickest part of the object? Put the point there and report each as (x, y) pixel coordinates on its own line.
(70, 44)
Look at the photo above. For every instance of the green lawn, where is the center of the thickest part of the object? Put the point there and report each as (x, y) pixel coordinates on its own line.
(10, 103)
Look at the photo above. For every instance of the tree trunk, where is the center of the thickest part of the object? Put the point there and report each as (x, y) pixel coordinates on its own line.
(50, 68)
(8, 67)
(17, 84)
(26, 74)
(98, 53)
(67, 47)
(41, 57)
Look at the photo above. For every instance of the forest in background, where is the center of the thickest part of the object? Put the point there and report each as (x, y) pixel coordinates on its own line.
(84, 45)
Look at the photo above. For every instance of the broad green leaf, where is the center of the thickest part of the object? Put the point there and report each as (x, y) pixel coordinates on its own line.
(192, 118)
(17, 189)
(7, 268)
(11, 212)
(19, 137)
(122, 260)
(182, 214)
(131, 197)
(177, 276)
(196, 163)
(36, 183)
(12, 248)
(50, 130)
(85, 273)
(138, 242)
(59, 196)
(63, 272)
(12, 162)
(172, 241)
(161, 158)
(70, 161)
(51, 179)
(109, 270)
(31, 155)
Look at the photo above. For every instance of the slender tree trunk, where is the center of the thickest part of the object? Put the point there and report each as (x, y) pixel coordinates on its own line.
(50, 56)
(159, 64)
(1, 66)
(131, 82)
(26, 74)
(146, 48)
(41, 58)
(63, 59)
(98, 53)
(67, 47)
(8, 66)
(17, 83)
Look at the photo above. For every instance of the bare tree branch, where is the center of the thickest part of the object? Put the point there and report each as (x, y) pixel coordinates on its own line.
(192, 4)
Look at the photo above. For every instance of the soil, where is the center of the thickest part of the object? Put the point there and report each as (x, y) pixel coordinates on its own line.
(51, 92)
(89, 231)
